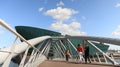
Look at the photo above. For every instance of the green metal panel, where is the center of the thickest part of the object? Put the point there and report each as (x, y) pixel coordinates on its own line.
(92, 50)
(101, 46)
(32, 32)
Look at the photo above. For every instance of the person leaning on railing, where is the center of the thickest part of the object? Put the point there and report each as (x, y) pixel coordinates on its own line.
(86, 50)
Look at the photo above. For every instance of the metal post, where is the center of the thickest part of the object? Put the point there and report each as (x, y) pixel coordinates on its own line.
(24, 58)
(44, 48)
(98, 57)
(60, 49)
(47, 51)
(8, 59)
(39, 47)
(113, 62)
(105, 58)
(35, 55)
(64, 47)
(71, 54)
(93, 58)
(72, 46)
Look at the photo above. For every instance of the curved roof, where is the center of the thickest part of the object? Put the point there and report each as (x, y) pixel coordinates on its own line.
(31, 32)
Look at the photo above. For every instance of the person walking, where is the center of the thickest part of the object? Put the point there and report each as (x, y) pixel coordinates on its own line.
(80, 53)
(67, 54)
(87, 54)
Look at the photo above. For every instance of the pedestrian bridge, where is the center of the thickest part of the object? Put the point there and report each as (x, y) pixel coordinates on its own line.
(70, 64)
(50, 51)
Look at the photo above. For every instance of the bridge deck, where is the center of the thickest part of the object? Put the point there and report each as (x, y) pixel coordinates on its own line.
(70, 64)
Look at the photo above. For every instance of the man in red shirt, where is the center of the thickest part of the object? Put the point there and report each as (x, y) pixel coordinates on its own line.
(80, 52)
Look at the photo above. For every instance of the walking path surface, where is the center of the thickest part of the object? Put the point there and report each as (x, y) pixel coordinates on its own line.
(69, 64)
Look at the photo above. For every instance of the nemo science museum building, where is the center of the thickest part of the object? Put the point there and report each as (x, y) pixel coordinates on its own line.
(32, 32)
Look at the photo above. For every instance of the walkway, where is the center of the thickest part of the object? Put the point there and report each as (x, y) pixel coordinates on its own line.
(70, 64)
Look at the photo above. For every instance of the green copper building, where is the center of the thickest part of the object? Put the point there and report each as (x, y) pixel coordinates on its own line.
(32, 32)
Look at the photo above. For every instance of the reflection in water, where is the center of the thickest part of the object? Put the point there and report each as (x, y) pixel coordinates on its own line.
(12, 64)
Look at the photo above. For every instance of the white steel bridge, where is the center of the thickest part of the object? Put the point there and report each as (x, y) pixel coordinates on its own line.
(39, 54)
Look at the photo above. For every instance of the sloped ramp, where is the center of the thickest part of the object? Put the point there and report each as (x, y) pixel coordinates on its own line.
(69, 64)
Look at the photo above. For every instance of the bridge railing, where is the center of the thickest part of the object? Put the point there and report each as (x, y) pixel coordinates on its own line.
(99, 57)
(59, 44)
(19, 52)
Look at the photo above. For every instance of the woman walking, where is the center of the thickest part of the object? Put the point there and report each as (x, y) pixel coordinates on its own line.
(67, 54)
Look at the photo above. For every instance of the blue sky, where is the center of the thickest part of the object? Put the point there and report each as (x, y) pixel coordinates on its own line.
(73, 17)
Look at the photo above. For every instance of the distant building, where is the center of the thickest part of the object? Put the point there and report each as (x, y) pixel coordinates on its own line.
(32, 32)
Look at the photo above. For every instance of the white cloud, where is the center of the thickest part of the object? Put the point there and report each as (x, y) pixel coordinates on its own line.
(1, 30)
(41, 9)
(70, 29)
(60, 13)
(75, 25)
(60, 3)
(116, 32)
(117, 5)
